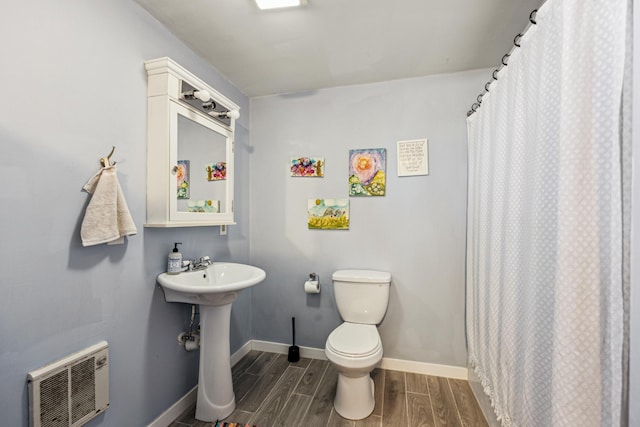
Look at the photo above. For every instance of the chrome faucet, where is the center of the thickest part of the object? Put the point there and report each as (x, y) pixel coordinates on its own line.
(195, 265)
(201, 264)
(187, 265)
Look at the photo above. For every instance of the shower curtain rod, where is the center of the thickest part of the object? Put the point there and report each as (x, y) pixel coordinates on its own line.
(505, 59)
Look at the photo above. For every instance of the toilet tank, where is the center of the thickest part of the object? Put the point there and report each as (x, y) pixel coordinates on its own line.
(362, 296)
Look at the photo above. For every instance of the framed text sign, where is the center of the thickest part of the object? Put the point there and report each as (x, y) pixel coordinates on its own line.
(413, 157)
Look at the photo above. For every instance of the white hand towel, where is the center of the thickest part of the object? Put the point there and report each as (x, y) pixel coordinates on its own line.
(107, 218)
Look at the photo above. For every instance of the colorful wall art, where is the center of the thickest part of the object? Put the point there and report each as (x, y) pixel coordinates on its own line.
(216, 171)
(367, 172)
(205, 206)
(182, 175)
(328, 214)
(307, 166)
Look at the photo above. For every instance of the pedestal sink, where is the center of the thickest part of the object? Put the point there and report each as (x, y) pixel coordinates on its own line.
(214, 289)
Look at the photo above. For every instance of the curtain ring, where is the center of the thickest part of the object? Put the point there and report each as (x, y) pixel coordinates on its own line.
(532, 16)
(494, 74)
(516, 40)
(485, 86)
(479, 98)
(506, 55)
(475, 106)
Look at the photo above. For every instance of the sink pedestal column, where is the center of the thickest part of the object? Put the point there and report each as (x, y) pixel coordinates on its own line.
(215, 388)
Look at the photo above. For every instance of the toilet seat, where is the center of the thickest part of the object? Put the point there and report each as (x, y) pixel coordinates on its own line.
(354, 340)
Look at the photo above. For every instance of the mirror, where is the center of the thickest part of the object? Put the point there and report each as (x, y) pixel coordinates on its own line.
(202, 169)
(190, 151)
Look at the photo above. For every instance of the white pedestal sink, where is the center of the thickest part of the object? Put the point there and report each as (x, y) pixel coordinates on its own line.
(214, 289)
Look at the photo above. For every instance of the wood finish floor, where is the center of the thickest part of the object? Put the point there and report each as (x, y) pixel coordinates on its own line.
(271, 392)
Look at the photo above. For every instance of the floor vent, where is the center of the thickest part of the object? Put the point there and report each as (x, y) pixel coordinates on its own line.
(71, 391)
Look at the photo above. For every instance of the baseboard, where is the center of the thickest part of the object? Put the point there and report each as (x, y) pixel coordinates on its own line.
(189, 399)
(434, 369)
(241, 352)
(276, 347)
(171, 414)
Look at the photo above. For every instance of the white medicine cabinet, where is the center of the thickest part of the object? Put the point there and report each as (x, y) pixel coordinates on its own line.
(190, 149)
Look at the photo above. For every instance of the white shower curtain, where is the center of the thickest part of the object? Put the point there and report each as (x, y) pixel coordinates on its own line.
(545, 222)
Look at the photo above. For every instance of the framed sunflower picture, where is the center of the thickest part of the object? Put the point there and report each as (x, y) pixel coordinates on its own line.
(328, 214)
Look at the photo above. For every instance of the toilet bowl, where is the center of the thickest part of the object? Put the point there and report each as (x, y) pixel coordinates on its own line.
(355, 350)
(355, 347)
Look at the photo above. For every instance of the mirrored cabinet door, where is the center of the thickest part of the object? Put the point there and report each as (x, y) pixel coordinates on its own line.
(190, 130)
(201, 168)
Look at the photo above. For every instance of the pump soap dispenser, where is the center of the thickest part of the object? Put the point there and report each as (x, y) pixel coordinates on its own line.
(174, 264)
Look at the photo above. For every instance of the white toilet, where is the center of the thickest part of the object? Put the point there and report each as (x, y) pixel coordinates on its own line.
(354, 347)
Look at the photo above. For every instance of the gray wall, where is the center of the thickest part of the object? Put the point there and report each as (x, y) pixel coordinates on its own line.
(416, 231)
(73, 85)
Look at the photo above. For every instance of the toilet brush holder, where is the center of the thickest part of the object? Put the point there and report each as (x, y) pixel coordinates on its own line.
(294, 350)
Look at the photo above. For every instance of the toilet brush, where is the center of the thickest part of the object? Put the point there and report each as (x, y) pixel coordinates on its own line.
(294, 350)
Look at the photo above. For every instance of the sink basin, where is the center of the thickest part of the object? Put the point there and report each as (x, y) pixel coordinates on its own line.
(217, 284)
(213, 289)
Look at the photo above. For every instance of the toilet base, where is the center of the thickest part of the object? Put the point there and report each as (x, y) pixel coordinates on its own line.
(354, 397)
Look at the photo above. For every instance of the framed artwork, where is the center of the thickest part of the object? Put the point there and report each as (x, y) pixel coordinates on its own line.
(328, 214)
(307, 166)
(216, 171)
(367, 175)
(182, 175)
(413, 157)
(205, 206)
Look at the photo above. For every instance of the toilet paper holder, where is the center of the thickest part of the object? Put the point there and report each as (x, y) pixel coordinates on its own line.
(312, 286)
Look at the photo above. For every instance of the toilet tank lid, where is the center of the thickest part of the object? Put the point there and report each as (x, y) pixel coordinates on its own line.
(365, 276)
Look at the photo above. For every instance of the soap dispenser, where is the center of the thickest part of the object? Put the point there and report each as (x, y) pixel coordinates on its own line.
(174, 264)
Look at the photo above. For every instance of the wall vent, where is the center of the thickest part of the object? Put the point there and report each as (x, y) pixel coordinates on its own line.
(71, 391)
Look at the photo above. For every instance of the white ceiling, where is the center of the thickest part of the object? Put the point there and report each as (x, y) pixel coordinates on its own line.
(331, 43)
